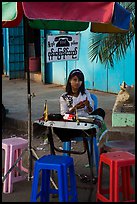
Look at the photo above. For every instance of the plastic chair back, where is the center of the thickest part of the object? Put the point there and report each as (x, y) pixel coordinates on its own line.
(95, 99)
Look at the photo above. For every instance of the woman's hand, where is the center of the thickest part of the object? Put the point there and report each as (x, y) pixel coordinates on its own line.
(80, 105)
(87, 104)
(77, 106)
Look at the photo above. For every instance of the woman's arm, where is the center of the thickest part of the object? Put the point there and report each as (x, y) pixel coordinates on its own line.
(89, 107)
(65, 109)
(89, 103)
(63, 106)
(77, 106)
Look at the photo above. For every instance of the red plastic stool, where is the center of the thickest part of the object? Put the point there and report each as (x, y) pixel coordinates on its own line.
(115, 161)
(13, 148)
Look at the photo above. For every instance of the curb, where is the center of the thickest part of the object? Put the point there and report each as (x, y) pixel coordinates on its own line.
(37, 129)
(16, 124)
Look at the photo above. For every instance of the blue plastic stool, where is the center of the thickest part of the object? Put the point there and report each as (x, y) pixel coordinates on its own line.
(62, 165)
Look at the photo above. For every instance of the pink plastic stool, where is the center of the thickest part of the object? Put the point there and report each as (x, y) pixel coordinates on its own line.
(13, 148)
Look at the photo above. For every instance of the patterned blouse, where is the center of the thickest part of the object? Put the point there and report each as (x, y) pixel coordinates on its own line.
(67, 102)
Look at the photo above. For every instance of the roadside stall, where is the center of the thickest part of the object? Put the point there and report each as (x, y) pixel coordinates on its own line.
(107, 17)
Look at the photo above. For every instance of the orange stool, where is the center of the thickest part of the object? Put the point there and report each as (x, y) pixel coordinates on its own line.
(115, 161)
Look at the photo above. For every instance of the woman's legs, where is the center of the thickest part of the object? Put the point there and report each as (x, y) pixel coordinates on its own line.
(101, 125)
(100, 112)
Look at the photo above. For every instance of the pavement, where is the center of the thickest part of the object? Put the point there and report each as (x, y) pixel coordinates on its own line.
(15, 99)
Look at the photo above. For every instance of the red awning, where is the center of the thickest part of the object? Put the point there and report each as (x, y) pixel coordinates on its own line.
(107, 17)
(71, 11)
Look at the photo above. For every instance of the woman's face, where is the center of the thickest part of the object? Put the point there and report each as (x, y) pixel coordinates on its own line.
(75, 83)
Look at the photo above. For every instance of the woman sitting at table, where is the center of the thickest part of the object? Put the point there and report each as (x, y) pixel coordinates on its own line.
(78, 99)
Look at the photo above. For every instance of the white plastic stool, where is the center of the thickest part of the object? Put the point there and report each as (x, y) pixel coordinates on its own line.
(13, 148)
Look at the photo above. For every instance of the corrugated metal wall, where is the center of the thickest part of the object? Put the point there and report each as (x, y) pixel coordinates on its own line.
(96, 75)
(14, 52)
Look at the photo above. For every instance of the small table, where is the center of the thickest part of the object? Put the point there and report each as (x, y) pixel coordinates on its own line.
(74, 125)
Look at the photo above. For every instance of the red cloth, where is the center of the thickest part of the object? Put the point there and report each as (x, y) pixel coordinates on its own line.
(70, 11)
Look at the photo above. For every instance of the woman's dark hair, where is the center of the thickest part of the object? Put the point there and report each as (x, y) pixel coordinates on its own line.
(80, 75)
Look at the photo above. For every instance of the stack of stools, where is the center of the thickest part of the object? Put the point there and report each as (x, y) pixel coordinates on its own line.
(64, 167)
(116, 161)
(13, 149)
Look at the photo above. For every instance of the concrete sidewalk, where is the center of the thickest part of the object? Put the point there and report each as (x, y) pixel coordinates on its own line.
(15, 99)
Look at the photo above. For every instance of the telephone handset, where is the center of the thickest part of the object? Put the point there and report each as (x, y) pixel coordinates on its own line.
(69, 38)
(62, 41)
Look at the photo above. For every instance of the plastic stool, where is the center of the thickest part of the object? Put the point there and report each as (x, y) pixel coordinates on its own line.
(61, 164)
(116, 160)
(13, 148)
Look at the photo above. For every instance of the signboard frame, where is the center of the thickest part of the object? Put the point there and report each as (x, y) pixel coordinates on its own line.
(62, 47)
